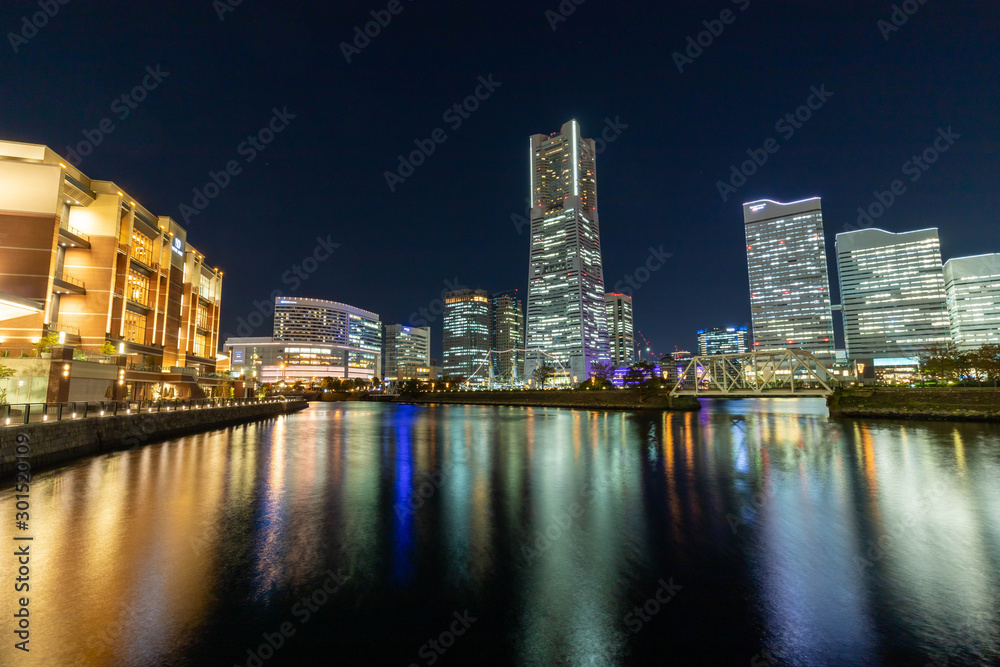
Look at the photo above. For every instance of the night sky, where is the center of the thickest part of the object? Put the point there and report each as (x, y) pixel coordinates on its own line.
(450, 222)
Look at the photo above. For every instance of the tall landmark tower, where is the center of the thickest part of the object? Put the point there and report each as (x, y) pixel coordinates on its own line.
(566, 308)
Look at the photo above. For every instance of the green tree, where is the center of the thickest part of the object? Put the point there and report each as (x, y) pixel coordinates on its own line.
(986, 359)
(47, 342)
(298, 386)
(938, 361)
(108, 349)
(542, 375)
(5, 373)
(602, 372)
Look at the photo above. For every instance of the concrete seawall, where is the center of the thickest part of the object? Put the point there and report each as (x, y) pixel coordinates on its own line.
(930, 403)
(57, 442)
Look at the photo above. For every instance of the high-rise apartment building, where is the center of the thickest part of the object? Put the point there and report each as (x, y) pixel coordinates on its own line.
(507, 334)
(892, 292)
(789, 285)
(318, 321)
(466, 332)
(731, 340)
(406, 353)
(972, 285)
(313, 339)
(85, 262)
(621, 339)
(566, 310)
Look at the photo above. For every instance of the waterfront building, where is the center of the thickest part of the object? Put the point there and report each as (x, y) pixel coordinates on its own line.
(313, 339)
(731, 340)
(972, 285)
(789, 285)
(466, 333)
(621, 339)
(566, 319)
(893, 294)
(507, 334)
(132, 304)
(406, 353)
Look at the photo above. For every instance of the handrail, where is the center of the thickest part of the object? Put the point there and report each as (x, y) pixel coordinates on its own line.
(66, 278)
(20, 414)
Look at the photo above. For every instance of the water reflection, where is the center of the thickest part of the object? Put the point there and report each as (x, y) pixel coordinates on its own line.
(794, 537)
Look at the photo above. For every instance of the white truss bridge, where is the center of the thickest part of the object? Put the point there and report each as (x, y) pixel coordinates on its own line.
(772, 373)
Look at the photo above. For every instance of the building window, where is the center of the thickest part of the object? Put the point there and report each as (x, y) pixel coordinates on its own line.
(135, 327)
(142, 248)
(138, 287)
(200, 345)
(202, 320)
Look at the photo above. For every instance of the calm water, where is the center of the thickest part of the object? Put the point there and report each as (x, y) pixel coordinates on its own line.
(769, 533)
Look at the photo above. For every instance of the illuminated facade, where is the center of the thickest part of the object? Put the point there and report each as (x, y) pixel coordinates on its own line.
(329, 322)
(87, 263)
(507, 333)
(789, 285)
(972, 285)
(466, 332)
(618, 311)
(406, 353)
(732, 340)
(892, 291)
(566, 308)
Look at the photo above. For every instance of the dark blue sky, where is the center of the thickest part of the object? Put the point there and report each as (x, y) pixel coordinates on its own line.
(450, 221)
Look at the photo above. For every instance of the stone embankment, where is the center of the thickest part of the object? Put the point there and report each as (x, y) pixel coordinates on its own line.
(57, 442)
(931, 403)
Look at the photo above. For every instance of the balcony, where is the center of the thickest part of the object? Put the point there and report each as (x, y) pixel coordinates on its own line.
(71, 237)
(63, 283)
(205, 294)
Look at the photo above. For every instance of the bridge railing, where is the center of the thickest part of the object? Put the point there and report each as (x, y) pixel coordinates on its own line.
(787, 372)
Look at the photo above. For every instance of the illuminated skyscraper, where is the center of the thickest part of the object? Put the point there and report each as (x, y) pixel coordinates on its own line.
(507, 333)
(732, 340)
(406, 352)
(618, 309)
(789, 285)
(892, 290)
(973, 288)
(466, 332)
(566, 309)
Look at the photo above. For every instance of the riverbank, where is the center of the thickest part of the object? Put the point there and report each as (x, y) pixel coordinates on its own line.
(620, 399)
(55, 443)
(973, 404)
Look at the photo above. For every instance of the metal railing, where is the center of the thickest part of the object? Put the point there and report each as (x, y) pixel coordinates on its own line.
(19, 414)
(66, 278)
(75, 232)
(67, 328)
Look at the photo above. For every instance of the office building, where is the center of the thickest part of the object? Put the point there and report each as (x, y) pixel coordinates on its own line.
(731, 340)
(406, 353)
(789, 285)
(84, 263)
(892, 292)
(313, 339)
(566, 320)
(466, 333)
(972, 285)
(507, 335)
(621, 340)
